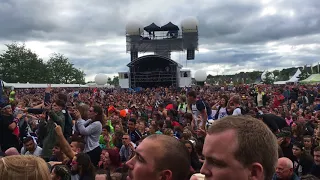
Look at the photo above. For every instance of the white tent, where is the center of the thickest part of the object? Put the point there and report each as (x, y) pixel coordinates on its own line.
(280, 82)
(294, 78)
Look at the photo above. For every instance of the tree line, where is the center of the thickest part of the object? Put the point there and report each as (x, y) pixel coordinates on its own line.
(20, 64)
(254, 76)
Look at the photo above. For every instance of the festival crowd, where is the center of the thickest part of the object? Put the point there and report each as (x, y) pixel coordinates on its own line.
(211, 132)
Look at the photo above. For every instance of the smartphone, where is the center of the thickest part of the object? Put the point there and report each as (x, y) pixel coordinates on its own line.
(47, 98)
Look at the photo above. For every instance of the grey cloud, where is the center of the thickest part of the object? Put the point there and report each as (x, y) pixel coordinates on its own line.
(232, 30)
(242, 24)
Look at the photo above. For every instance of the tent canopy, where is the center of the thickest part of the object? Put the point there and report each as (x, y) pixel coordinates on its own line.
(314, 78)
(295, 77)
(152, 27)
(170, 27)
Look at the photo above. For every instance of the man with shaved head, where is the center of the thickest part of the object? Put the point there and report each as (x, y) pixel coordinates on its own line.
(159, 157)
(284, 170)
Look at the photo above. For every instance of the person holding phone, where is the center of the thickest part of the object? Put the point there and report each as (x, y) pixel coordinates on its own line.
(221, 107)
(55, 116)
(90, 130)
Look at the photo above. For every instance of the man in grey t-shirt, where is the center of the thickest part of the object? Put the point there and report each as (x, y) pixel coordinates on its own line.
(30, 147)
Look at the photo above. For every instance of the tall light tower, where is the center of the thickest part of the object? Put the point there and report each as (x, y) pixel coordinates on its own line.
(190, 36)
(134, 30)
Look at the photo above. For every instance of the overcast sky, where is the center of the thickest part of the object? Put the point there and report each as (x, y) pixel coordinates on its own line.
(235, 35)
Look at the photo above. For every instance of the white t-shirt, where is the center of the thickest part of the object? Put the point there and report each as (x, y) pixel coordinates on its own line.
(222, 112)
(195, 114)
(259, 99)
(236, 112)
(194, 111)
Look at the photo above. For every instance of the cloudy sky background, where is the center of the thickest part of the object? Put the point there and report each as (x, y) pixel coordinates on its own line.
(235, 35)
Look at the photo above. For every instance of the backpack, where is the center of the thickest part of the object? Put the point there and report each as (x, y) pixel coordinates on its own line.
(207, 107)
(216, 116)
(244, 110)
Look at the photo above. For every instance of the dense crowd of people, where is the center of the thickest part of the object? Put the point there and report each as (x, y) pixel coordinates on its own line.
(211, 132)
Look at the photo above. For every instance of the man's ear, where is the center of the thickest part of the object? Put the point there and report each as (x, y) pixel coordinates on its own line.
(165, 175)
(256, 171)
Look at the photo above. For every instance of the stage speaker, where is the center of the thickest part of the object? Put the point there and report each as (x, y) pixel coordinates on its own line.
(190, 54)
(134, 55)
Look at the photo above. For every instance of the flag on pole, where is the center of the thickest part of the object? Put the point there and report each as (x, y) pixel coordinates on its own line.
(318, 68)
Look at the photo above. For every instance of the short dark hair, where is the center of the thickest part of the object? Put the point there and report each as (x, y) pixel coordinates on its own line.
(60, 103)
(192, 94)
(161, 105)
(57, 144)
(252, 136)
(62, 97)
(316, 149)
(307, 136)
(27, 139)
(107, 128)
(80, 142)
(175, 156)
(133, 120)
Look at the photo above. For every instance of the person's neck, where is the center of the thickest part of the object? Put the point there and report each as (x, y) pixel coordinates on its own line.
(286, 144)
(61, 157)
(33, 150)
(141, 131)
(307, 148)
(110, 167)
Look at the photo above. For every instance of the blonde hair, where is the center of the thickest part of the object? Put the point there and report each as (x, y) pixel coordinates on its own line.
(23, 168)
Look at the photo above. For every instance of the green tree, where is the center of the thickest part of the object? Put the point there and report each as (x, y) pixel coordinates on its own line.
(254, 75)
(109, 81)
(19, 64)
(276, 74)
(304, 74)
(62, 71)
(269, 78)
(115, 81)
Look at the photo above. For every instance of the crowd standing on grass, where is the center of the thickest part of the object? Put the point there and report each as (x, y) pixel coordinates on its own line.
(212, 132)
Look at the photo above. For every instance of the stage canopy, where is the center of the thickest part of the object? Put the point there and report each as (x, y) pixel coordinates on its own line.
(152, 27)
(170, 27)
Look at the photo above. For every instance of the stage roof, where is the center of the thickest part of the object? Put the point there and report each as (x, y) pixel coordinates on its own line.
(153, 56)
(152, 27)
(170, 27)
